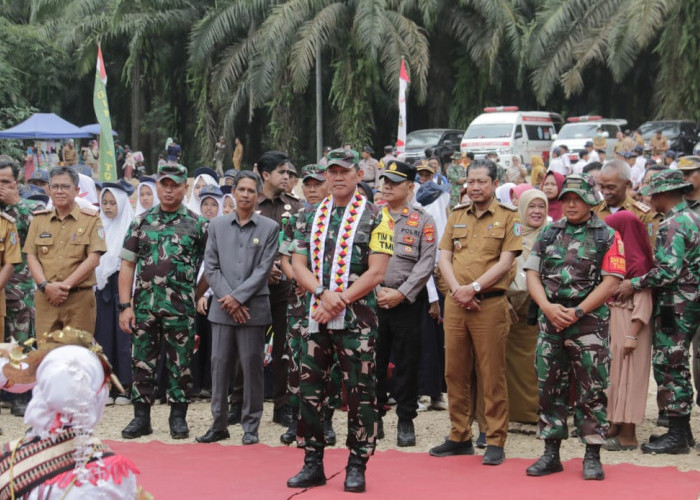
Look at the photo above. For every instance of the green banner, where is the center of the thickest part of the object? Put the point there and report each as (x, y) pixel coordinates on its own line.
(108, 162)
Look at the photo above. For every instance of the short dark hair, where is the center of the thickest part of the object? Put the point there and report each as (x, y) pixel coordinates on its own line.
(487, 164)
(8, 161)
(271, 160)
(594, 165)
(74, 177)
(388, 149)
(470, 155)
(248, 174)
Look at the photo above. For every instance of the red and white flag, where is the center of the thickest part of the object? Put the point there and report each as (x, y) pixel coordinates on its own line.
(403, 84)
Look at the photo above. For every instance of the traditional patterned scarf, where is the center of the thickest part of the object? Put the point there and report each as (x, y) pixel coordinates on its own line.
(340, 269)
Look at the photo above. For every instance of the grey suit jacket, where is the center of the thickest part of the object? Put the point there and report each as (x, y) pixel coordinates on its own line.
(237, 262)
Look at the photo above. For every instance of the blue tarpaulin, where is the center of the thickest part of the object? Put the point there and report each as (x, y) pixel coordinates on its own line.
(94, 129)
(44, 126)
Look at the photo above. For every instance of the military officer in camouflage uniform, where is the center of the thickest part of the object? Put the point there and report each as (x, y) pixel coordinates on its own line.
(675, 278)
(341, 251)
(457, 175)
(19, 291)
(575, 265)
(10, 255)
(403, 298)
(163, 250)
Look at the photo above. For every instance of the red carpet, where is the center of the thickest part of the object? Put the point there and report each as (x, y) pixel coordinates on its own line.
(214, 471)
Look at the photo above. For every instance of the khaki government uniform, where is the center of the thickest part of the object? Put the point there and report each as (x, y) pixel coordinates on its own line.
(642, 211)
(658, 146)
(475, 341)
(10, 253)
(61, 246)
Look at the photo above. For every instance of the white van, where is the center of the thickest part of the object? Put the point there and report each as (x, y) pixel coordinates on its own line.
(506, 131)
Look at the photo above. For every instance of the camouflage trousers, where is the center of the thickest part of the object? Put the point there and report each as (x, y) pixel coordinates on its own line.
(577, 356)
(356, 358)
(674, 330)
(19, 322)
(152, 331)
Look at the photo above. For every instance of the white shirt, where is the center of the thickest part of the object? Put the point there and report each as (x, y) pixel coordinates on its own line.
(578, 166)
(593, 155)
(557, 165)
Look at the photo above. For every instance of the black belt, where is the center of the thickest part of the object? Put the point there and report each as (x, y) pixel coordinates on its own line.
(567, 302)
(79, 289)
(490, 295)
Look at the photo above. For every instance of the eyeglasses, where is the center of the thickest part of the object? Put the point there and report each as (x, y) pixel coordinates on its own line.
(61, 187)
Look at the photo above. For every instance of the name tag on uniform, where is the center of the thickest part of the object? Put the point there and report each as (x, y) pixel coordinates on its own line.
(45, 235)
(456, 226)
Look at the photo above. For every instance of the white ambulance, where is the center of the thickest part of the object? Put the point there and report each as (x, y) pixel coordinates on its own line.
(506, 131)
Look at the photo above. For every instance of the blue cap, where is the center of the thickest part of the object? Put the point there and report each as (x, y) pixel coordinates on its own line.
(122, 184)
(629, 154)
(589, 144)
(146, 178)
(231, 173)
(40, 175)
(638, 149)
(98, 185)
(210, 190)
(226, 189)
(208, 171)
(556, 151)
(670, 154)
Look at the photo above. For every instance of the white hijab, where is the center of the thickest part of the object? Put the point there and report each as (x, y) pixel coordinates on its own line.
(115, 230)
(193, 202)
(219, 201)
(228, 195)
(139, 208)
(503, 193)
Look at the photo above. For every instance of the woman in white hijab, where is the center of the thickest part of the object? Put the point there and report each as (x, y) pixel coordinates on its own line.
(203, 176)
(116, 214)
(146, 195)
(503, 193)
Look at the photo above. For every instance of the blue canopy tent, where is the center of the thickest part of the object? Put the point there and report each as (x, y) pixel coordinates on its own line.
(94, 129)
(44, 126)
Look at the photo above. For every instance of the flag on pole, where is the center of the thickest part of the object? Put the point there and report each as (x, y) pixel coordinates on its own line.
(403, 84)
(108, 163)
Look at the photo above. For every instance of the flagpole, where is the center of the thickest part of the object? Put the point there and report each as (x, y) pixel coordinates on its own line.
(403, 85)
(108, 163)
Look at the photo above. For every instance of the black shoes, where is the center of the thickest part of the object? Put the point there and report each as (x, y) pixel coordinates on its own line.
(549, 462)
(406, 433)
(250, 438)
(290, 435)
(592, 468)
(234, 414)
(140, 425)
(19, 404)
(675, 441)
(177, 422)
(355, 474)
(380, 429)
(451, 448)
(311, 473)
(494, 455)
(213, 436)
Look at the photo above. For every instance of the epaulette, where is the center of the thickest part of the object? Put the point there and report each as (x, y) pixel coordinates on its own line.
(7, 217)
(508, 206)
(92, 212)
(462, 205)
(292, 195)
(42, 211)
(643, 207)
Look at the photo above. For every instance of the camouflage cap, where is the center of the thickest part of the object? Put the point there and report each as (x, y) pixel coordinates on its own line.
(343, 157)
(666, 180)
(689, 163)
(177, 173)
(457, 155)
(313, 171)
(582, 185)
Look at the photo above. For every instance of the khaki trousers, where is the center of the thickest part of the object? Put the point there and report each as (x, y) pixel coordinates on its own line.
(78, 311)
(475, 349)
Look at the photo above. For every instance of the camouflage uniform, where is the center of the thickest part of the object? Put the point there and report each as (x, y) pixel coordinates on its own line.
(19, 291)
(454, 172)
(354, 345)
(167, 249)
(676, 277)
(569, 268)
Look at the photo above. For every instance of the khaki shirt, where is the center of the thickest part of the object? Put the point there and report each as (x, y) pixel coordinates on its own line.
(476, 243)
(644, 212)
(415, 248)
(9, 250)
(62, 245)
(658, 146)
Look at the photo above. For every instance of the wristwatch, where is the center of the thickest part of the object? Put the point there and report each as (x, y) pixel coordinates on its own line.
(580, 313)
(42, 285)
(476, 286)
(319, 291)
(123, 306)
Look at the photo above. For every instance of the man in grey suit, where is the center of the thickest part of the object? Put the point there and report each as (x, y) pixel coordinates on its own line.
(237, 261)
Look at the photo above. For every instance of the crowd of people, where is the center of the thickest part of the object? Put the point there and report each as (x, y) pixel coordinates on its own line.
(381, 282)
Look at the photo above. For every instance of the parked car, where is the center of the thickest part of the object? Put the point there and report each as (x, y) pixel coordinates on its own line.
(436, 138)
(681, 134)
(581, 129)
(506, 131)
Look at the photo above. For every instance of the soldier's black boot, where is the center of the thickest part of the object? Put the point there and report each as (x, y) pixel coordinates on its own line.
(140, 425)
(311, 474)
(592, 468)
(380, 429)
(549, 462)
(675, 441)
(328, 431)
(290, 435)
(662, 419)
(177, 422)
(406, 433)
(19, 404)
(355, 474)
